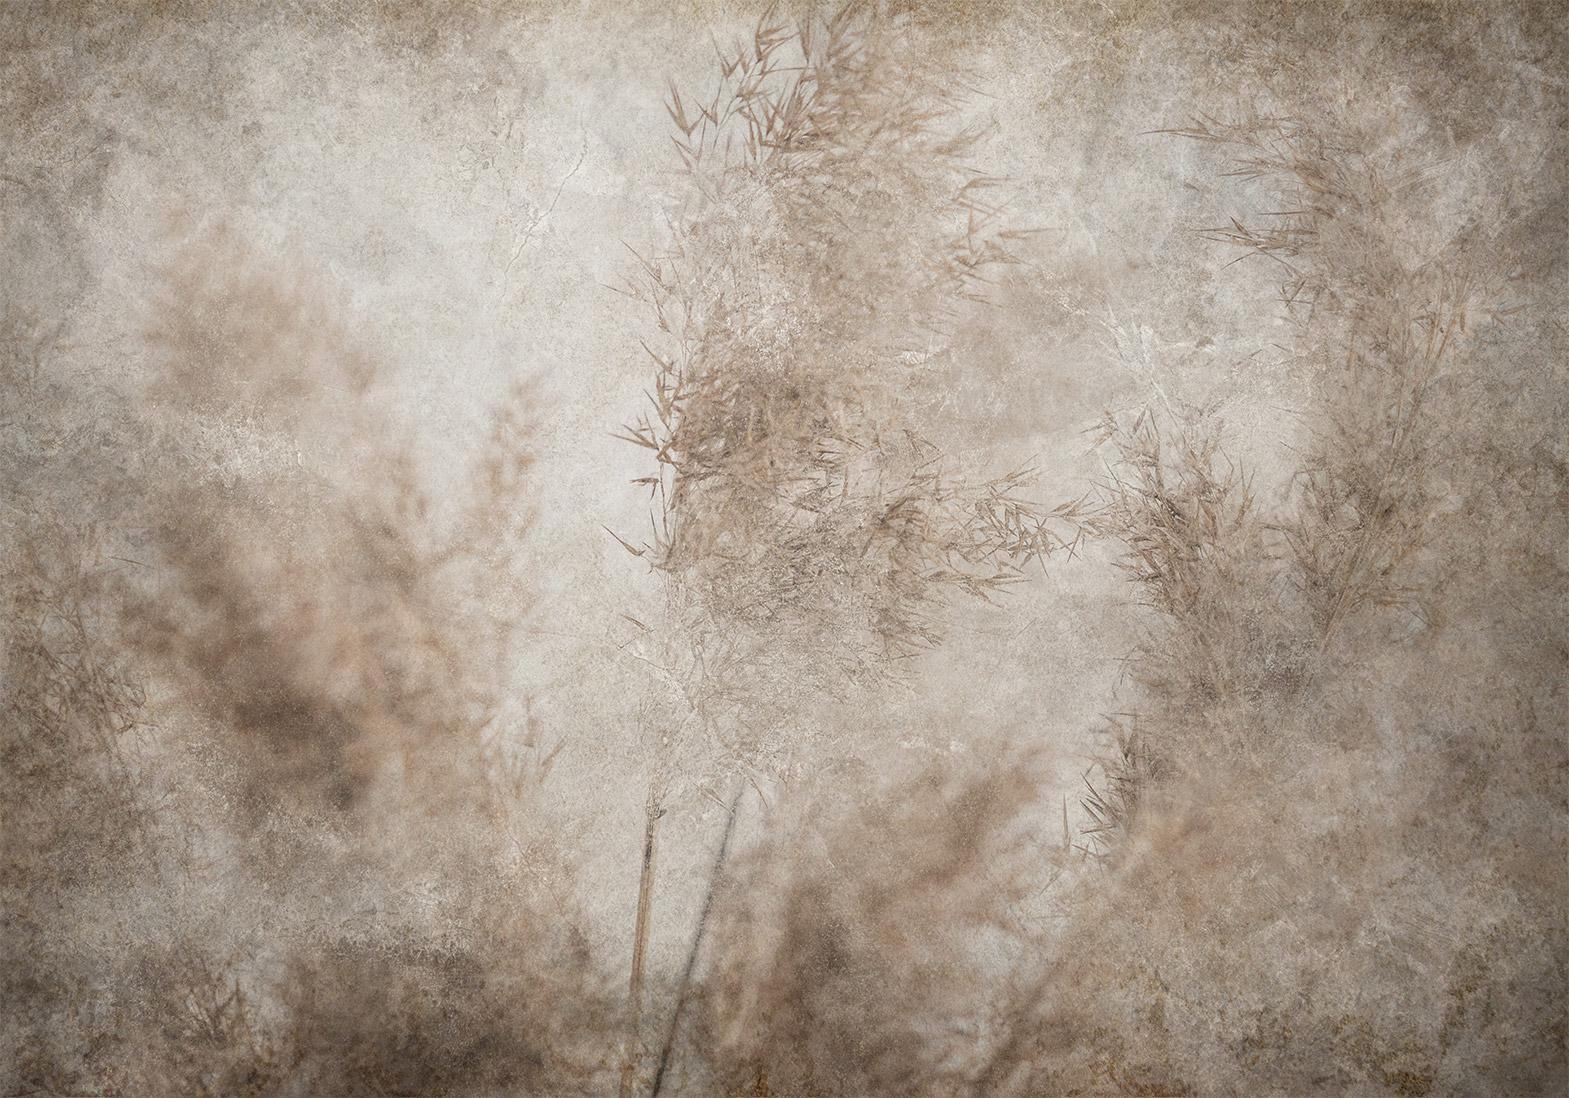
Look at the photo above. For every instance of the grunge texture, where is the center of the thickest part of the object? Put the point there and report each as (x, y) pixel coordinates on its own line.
(685, 548)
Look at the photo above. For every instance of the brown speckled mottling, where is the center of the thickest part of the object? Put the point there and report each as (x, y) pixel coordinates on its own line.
(681, 547)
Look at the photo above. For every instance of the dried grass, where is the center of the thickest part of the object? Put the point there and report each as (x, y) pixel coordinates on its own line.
(864, 948)
(829, 231)
(266, 830)
(826, 233)
(1288, 903)
(362, 896)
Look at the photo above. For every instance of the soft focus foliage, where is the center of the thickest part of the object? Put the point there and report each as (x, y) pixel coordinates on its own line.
(273, 793)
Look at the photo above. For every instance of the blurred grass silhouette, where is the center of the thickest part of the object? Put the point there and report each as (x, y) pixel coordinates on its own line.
(272, 814)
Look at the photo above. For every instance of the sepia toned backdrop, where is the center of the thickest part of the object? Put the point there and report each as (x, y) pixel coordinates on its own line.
(699, 548)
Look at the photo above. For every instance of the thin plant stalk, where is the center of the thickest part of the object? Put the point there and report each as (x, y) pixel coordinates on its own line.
(697, 941)
(645, 896)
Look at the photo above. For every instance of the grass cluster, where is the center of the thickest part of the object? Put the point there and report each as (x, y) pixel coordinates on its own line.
(270, 786)
(827, 228)
(269, 824)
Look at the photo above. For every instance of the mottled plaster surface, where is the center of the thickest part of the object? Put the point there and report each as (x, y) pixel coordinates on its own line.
(336, 701)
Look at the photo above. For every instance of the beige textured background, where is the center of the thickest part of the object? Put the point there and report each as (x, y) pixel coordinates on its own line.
(453, 189)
